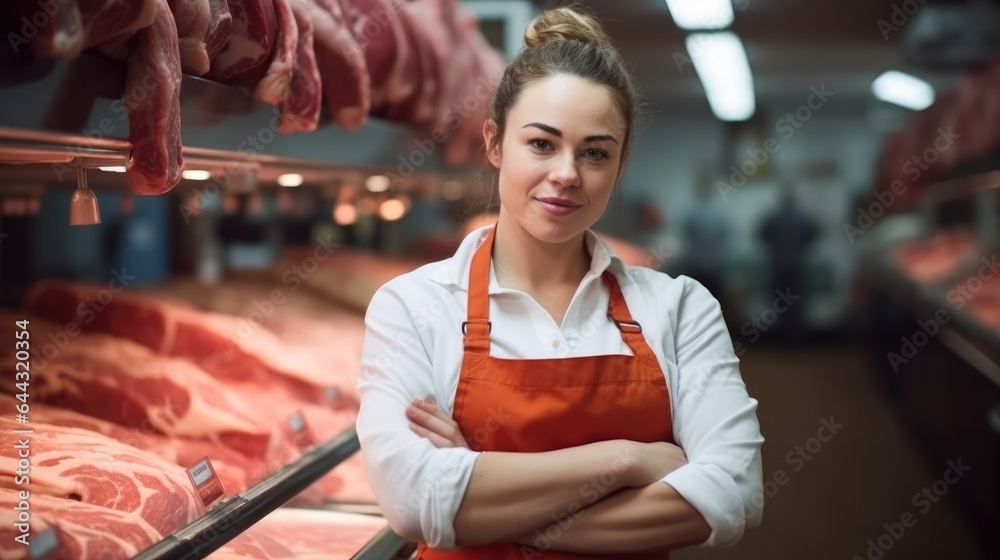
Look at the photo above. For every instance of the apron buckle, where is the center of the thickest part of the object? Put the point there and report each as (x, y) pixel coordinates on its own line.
(489, 326)
(622, 325)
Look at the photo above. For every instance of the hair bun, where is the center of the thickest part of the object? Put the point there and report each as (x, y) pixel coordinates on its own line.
(565, 23)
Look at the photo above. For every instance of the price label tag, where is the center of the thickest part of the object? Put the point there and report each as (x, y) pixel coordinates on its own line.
(44, 544)
(301, 434)
(206, 482)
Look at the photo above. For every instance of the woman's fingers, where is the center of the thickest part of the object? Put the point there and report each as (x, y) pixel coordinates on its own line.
(425, 413)
(435, 439)
(431, 418)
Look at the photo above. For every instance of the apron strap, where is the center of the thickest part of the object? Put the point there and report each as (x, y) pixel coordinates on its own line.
(618, 312)
(477, 326)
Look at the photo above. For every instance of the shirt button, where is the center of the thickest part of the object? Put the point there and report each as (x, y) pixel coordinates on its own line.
(555, 343)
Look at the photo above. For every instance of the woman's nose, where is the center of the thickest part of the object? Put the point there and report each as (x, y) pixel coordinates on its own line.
(564, 172)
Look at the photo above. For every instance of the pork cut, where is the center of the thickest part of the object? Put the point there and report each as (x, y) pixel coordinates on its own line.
(341, 63)
(273, 86)
(250, 42)
(231, 467)
(376, 26)
(84, 531)
(228, 348)
(202, 28)
(152, 97)
(107, 20)
(301, 106)
(122, 382)
(90, 468)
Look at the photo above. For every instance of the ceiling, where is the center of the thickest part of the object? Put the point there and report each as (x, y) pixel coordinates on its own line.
(791, 45)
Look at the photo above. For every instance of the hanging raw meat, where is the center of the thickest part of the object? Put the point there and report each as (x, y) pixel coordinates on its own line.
(250, 42)
(152, 97)
(341, 63)
(301, 105)
(202, 27)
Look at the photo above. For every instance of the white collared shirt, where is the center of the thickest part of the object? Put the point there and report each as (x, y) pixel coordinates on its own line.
(413, 349)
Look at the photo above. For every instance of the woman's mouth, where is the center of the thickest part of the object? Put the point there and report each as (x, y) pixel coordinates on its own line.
(557, 206)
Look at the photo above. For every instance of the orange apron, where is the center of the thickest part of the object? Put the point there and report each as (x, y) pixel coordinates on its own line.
(548, 404)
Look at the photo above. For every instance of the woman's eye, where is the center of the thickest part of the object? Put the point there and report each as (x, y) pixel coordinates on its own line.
(595, 154)
(540, 144)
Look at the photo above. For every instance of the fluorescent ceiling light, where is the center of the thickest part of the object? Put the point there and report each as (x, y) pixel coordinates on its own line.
(290, 180)
(903, 90)
(721, 63)
(196, 174)
(698, 15)
(113, 168)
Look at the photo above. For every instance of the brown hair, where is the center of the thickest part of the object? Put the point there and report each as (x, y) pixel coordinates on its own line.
(565, 40)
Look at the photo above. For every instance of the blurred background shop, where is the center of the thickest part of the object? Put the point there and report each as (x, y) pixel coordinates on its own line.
(829, 170)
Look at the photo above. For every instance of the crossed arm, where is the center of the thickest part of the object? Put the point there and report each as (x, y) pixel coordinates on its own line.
(599, 498)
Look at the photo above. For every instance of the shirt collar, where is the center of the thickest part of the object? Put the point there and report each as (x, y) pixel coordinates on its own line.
(455, 271)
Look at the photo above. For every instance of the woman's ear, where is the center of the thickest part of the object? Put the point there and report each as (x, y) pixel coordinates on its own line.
(490, 132)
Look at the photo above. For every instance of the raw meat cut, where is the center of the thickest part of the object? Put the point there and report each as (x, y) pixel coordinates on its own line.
(84, 531)
(315, 535)
(376, 26)
(341, 64)
(273, 86)
(932, 259)
(170, 396)
(252, 546)
(225, 347)
(313, 330)
(429, 17)
(93, 469)
(106, 20)
(424, 70)
(301, 106)
(250, 41)
(202, 28)
(230, 466)
(152, 97)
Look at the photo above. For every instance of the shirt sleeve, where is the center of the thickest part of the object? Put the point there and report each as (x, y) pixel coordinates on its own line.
(715, 422)
(418, 486)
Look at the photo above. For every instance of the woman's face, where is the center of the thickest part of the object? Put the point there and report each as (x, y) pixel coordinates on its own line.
(559, 157)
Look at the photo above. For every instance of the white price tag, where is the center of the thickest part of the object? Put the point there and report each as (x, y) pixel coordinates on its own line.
(43, 544)
(206, 482)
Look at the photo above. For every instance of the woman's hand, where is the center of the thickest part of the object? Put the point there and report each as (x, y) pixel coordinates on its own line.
(653, 461)
(429, 421)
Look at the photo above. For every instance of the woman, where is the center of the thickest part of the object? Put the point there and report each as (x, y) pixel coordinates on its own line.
(531, 396)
